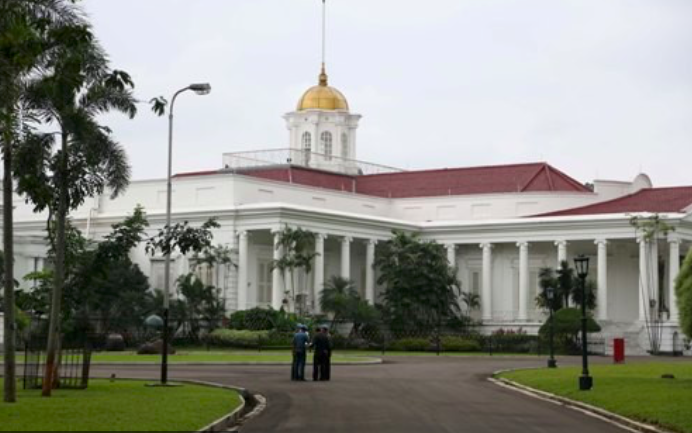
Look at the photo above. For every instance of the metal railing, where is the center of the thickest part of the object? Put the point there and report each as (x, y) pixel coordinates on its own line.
(243, 161)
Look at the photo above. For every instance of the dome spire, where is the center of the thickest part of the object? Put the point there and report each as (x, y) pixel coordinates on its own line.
(323, 77)
(323, 73)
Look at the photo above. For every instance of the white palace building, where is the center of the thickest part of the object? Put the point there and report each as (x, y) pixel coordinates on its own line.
(500, 224)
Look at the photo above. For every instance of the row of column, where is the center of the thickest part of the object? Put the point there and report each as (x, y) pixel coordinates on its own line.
(647, 284)
(318, 271)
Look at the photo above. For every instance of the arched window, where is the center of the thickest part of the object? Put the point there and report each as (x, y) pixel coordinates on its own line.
(326, 139)
(344, 145)
(307, 146)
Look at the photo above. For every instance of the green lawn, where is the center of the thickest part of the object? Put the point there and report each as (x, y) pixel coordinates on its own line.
(636, 391)
(201, 356)
(118, 406)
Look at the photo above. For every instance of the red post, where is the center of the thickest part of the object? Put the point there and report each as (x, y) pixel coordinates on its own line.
(619, 350)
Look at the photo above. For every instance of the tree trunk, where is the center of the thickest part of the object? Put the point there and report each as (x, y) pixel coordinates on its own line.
(10, 387)
(50, 374)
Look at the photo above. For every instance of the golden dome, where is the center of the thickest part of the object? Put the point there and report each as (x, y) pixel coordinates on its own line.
(323, 97)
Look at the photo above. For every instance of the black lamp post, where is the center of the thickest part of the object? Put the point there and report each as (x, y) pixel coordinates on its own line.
(581, 263)
(550, 296)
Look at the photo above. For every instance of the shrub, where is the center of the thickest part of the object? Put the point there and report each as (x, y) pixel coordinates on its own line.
(567, 327)
(256, 319)
(115, 343)
(242, 339)
(410, 345)
(459, 344)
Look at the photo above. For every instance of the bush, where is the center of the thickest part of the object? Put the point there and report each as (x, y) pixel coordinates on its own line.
(567, 328)
(410, 345)
(459, 344)
(115, 343)
(256, 319)
(242, 339)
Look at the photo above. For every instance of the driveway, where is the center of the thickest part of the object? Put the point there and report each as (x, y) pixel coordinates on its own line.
(405, 394)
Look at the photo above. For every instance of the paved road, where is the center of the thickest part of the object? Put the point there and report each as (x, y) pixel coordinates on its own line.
(406, 394)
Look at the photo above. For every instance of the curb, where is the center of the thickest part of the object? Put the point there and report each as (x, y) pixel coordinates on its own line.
(229, 420)
(593, 411)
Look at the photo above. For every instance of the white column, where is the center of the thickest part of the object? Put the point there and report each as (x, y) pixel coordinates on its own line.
(643, 279)
(319, 269)
(602, 292)
(242, 270)
(370, 271)
(487, 292)
(523, 280)
(346, 257)
(277, 281)
(674, 259)
(451, 254)
(561, 252)
(653, 268)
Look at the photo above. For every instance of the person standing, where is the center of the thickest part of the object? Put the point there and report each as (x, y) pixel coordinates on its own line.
(322, 347)
(300, 342)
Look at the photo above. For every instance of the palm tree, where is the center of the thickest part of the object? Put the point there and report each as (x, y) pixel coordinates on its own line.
(31, 32)
(339, 297)
(78, 87)
(298, 254)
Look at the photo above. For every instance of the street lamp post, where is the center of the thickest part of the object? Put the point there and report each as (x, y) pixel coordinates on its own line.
(581, 263)
(550, 295)
(200, 89)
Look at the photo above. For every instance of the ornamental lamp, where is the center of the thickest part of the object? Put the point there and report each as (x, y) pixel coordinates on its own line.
(581, 263)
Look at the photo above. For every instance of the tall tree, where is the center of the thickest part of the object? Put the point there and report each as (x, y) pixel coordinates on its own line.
(683, 292)
(298, 247)
(422, 290)
(30, 33)
(77, 87)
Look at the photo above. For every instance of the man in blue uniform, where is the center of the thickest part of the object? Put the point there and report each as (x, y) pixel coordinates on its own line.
(300, 343)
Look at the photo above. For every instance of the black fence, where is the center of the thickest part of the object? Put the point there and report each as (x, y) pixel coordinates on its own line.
(73, 362)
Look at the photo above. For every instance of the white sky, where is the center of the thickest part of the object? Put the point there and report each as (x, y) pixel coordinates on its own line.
(598, 88)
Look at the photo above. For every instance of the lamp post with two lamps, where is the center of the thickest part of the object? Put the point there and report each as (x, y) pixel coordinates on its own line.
(581, 263)
(200, 89)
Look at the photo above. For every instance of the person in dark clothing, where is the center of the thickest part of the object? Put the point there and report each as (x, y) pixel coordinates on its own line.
(300, 343)
(322, 352)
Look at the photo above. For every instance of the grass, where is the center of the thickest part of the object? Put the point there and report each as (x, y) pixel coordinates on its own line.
(636, 391)
(118, 406)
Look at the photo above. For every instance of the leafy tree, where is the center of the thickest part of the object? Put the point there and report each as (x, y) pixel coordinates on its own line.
(298, 254)
(210, 261)
(186, 239)
(567, 327)
(183, 238)
(683, 292)
(30, 33)
(199, 302)
(77, 87)
(341, 298)
(421, 288)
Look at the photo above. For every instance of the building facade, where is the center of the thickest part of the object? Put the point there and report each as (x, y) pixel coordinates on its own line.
(500, 224)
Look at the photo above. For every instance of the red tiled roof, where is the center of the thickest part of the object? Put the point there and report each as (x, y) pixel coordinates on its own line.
(673, 199)
(472, 180)
(532, 177)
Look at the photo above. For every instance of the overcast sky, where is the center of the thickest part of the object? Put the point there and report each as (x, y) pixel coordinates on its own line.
(598, 88)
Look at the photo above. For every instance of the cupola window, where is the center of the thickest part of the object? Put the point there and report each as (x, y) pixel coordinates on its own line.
(326, 139)
(307, 146)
